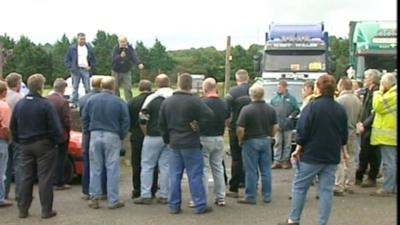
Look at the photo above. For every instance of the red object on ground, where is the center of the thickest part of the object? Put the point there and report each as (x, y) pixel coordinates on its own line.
(75, 151)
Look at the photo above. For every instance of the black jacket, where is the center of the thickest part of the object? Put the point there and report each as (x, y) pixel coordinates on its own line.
(34, 118)
(180, 116)
(322, 131)
(123, 65)
(367, 117)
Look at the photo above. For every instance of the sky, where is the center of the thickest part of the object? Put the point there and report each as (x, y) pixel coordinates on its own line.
(181, 24)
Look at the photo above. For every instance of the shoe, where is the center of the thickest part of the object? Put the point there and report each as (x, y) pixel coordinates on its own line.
(49, 215)
(220, 202)
(207, 209)
(382, 193)
(175, 211)
(350, 191)
(358, 182)
(94, 204)
(23, 215)
(191, 204)
(267, 200)
(135, 194)
(287, 223)
(245, 201)
(286, 166)
(276, 165)
(85, 197)
(162, 200)
(62, 187)
(117, 205)
(143, 201)
(5, 203)
(338, 193)
(368, 183)
(232, 194)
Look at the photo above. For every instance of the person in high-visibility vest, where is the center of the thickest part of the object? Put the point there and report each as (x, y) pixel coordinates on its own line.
(384, 105)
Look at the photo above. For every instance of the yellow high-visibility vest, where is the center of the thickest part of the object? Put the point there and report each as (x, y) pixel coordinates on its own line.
(384, 127)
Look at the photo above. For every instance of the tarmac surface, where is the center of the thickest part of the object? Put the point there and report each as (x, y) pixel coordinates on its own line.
(359, 208)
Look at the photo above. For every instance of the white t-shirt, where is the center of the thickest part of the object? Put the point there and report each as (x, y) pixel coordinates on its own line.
(82, 56)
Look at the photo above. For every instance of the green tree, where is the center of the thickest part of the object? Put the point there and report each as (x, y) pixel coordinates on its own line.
(339, 47)
(159, 60)
(103, 46)
(144, 56)
(58, 52)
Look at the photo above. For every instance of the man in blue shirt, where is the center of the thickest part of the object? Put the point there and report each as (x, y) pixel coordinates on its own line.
(106, 117)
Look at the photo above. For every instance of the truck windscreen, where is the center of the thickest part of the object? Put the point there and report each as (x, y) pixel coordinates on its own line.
(294, 60)
(294, 88)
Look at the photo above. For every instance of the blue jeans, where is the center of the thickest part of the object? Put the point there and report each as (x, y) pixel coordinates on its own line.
(76, 78)
(304, 175)
(213, 154)
(389, 157)
(104, 150)
(192, 161)
(86, 168)
(282, 146)
(3, 167)
(256, 154)
(154, 152)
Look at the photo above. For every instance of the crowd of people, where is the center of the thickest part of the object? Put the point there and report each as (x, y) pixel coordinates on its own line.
(173, 131)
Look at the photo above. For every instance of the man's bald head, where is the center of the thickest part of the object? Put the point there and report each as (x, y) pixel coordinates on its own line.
(242, 76)
(162, 80)
(122, 41)
(209, 86)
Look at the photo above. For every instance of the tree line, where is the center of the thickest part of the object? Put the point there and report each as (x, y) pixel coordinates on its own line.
(48, 59)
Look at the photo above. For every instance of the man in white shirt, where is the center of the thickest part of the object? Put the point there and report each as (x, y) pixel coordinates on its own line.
(80, 60)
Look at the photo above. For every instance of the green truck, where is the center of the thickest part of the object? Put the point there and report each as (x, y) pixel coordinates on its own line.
(372, 45)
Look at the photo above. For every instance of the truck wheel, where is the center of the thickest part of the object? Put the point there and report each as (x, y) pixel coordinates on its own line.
(68, 171)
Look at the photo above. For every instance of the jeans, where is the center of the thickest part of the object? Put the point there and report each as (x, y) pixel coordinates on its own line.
(304, 175)
(124, 80)
(191, 160)
(213, 155)
(136, 159)
(257, 155)
(282, 146)
(154, 152)
(13, 168)
(104, 150)
(389, 163)
(3, 167)
(76, 78)
(86, 168)
(346, 171)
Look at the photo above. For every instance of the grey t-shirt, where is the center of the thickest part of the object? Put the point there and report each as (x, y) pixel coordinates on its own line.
(258, 119)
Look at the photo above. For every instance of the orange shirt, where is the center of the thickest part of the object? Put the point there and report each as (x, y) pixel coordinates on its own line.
(5, 117)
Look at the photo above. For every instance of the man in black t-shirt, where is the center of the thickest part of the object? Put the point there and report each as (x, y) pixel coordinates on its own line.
(212, 140)
(236, 98)
(134, 106)
(256, 124)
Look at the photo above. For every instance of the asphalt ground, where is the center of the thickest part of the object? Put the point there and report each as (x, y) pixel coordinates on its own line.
(359, 208)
